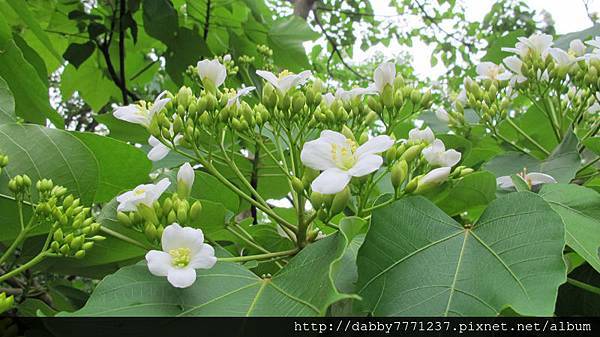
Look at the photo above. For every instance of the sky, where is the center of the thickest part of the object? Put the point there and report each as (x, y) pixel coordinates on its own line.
(568, 15)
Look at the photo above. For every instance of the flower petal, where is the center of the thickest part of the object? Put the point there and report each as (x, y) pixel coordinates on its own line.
(504, 182)
(269, 76)
(181, 277)
(204, 258)
(186, 175)
(331, 181)
(375, 145)
(159, 262)
(365, 165)
(158, 152)
(451, 157)
(537, 178)
(437, 175)
(316, 154)
(175, 236)
(131, 113)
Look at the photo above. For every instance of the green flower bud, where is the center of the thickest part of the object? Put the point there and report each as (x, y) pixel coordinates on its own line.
(297, 185)
(340, 200)
(195, 211)
(58, 235)
(348, 133)
(97, 238)
(68, 201)
(364, 137)
(390, 154)
(80, 254)
(269, 96)
(370, 118)
(124, 219)
(64, 249)
(387, 96)
(55, 246)
(150, 231)
(177, 124)
(148, 213)
(412, 185)
(88, 245)
(298, 102)
(374, 105)
(77, 242)
(411, 153)
(398, 100)
(316, 199)
(182, 214)
(399, 173)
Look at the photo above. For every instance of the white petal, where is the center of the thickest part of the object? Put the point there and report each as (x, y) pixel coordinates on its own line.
(384, 74)
(131, 113)
(437, 175)
(333, 137)
(375, 145)
(186, 175)
(451, 158)
(328, 98)
(504, 182)
(442, 115)
(514, 64)
(181, 277)
(421, 135)
(366, 164)
(316, 154)
(175, 236)
(158, 152)
(204, 258)
(153, 141)
(269, 76)
(331, 181)
(157, 190)
(159, 262)
(537, 178)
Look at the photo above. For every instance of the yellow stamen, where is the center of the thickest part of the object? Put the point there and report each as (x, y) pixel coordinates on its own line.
(180, 257)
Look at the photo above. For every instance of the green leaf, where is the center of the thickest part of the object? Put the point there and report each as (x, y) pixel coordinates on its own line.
(122, 130)
(30, 93)
(285, 37)
(121, 166)
(579, 208)
(476, 189)
(77, 53)
(304, 287)
(562, 163)
(593, 144)
(494, 51)
(418, 261)
(208, 187)
(7, 103)
(519, 182)
(32, 307)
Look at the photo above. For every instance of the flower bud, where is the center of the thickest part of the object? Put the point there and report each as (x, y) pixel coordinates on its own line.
(88, 245)
(399, 173)
(411, 186)
(316, 199)
(124, 219)
(150, 231)
(374, 105)
(58, 235)
(297, 185)
(298, 102)
(387, 96)
(195, 211)
(390, 154)
(269, 96)
(339, 201)
(182, 215)
(348, 133)
(80, 254)
(411, 153)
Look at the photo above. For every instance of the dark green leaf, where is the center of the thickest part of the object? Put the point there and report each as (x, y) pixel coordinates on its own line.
(77, 53)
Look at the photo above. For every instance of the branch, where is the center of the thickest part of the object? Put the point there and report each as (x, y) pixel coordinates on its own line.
(303, 7)
(123, 85)
(207, 21)
(335, 48)
(433, 21)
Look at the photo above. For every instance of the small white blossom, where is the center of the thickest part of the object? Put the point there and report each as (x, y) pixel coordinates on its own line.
(185, 179)
(436, 155)
(577, 48)
(489, 71)
(340, 159)
(143, 194)
(286, 80)
(138, 113)
(417, 135)
(183, 251)
(384, 74)
(514, 64)
(435, 176)
(532, 179)
(442, 115)
(536, 43)
(160, 150)
(242, 92)
(213, 71)
(562, 58)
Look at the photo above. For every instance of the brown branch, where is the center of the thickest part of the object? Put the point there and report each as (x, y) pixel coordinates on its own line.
(335, 48)
(433, 21)
(207, 21)
(303, 7)
(123, 86)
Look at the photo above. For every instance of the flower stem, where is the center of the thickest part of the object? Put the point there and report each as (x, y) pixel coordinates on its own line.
(527, 136)
(584, 286)
(124, 238)
(258, 257)
(37, 259)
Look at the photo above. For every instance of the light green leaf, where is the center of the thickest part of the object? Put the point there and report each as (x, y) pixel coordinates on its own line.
(286, 37)
(593, 144)
(579, 208)
(122, 130)
(476, 189)
(418, 261)
(303, 288)
(7, 103)
(121, 166)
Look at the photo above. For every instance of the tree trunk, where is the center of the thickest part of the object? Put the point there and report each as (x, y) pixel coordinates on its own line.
(302, 8)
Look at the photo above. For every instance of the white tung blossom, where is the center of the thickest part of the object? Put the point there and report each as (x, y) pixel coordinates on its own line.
(562, 58)
(139, 113)
(286, 80)
(442, 115)
(437, 155)
(532, 179)
(185, 179)
(160, 150)
(536, 43)
(435, 176)
(514, 64)
(417, 135)
(143, 194)
(489, 71)
(213, 71)
(183, 251)
(242, 92)
(384, 75)
(576, 48)
(340, 159)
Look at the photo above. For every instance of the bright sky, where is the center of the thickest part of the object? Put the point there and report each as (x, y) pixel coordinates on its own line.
(568, 15)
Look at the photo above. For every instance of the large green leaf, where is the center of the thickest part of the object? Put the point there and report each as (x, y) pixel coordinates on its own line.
(286, 37)
(304, 287)
(121, 166)
(476, 189)
(579, 208)
(7, 103)
(562, 164)
(30, 93)
(122, 130)
(418, 261)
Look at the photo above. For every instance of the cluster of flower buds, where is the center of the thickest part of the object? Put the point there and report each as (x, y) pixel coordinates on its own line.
(74, 229)
(490, 99)
(20, 185)
(3, 162)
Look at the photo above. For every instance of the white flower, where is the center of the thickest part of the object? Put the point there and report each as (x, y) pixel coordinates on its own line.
(442, 115)
(462, 97)
(384, 74)
(514, 64)
(286, 80)
(594, 43)
(183, 251)
(346, 95)
(340, 159)
(242, 92)
(227, 58)
(536, 43)
(185, 179)
(143, 194)
(532, 179)
(543, 76)
(417, 135)
(489, 70)
(436, 155)
(160, 150)
(138, 113)
(577, 48)
(562, 58)
(435, 176)
(213, 71)
(328, 98)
